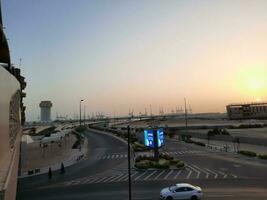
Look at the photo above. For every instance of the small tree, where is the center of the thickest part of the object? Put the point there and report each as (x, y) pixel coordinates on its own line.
(62, 169)
(50, 173)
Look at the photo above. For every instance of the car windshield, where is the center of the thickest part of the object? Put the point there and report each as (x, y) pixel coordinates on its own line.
(172, 188)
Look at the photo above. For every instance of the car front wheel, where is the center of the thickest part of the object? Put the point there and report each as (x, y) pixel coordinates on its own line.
(169, 198)
(194, 198)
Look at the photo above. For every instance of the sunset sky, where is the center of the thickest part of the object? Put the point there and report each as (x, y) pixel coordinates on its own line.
(129, 54)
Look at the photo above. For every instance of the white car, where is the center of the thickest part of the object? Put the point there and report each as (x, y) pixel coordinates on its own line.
(181, 191)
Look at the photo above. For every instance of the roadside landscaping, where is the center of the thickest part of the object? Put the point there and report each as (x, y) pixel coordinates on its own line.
(253, 154)
(164, 162)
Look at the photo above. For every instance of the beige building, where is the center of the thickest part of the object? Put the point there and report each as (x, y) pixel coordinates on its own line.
(247, 111)
(11, 119)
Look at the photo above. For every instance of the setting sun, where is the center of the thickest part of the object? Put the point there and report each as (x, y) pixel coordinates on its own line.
(252, 81)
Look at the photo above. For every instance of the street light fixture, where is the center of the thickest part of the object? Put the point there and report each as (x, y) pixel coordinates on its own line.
(81, 111)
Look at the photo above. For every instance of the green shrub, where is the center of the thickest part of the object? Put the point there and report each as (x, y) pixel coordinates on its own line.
(262, 156)
(144, 164)
(166, 156)
(199, 143)
(174, 161)
(180, 164)
(248, 153)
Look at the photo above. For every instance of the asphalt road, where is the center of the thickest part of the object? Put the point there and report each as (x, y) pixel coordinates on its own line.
(104, 175)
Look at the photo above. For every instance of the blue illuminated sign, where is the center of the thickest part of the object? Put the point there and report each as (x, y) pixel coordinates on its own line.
(160, 136)
(149, 139)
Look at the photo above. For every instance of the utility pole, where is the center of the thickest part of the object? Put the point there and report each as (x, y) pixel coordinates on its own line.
(156, 145)
(185, 113)
(84, 115)
(81, 111)
(129, 164)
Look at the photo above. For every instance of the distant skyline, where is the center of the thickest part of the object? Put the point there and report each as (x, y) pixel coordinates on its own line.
(120, 55)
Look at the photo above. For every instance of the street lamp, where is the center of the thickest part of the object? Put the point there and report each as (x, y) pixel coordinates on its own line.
(129, 163)
(81, 111)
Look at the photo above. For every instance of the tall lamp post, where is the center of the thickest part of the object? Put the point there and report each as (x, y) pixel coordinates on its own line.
(81, 111)
(129, 163)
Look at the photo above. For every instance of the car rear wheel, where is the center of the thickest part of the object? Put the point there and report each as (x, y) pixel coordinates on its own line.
(169, 198)
(194, 198)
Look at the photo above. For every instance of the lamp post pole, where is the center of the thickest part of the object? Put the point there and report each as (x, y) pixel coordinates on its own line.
(81, 111)
(129, 163)
(84, 115)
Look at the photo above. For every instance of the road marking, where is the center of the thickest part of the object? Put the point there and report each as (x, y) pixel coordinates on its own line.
(110, 178)
(159, 175)
(207, 174)
(125, 155)
(103, 157)
(178, 173)
(115, 178)
(198, 172)
(224, 175)
(113, 156)
(101, 179)
(215, 174)
(123, 177)
(134, 174)
(117, 156)
(121, 156)
(168, 174)
(189, 174)
(87, 180)
(108, 157)
(140, 175)
(150, 175)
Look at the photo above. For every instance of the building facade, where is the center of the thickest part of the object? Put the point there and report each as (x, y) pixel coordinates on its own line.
(45, 111)
(12, 117)
(247, 111)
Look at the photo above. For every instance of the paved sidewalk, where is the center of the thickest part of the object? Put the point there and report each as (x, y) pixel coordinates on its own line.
(38, 159)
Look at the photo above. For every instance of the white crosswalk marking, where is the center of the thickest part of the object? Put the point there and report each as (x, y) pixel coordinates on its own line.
(123, 177)
(207, 174)
(219, 172)
(136, 178)
(117, 177)
(159, 175)
(101, 179)
(177, 174)
(110, 178)
(215, 174)
(189, 173)
(150, 175)
(168, 174)
(108, 157)
(113, 156)
(134, 174)
(117, 156)
(198, 172)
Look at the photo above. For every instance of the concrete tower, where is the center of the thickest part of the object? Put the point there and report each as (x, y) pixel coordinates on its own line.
(45, 111)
